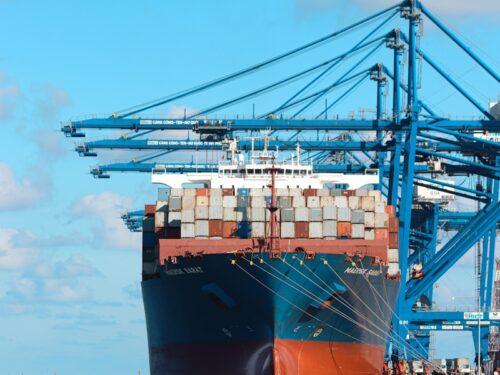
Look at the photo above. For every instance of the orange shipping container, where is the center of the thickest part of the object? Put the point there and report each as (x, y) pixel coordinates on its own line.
(301, 229)
(348, 193)
(344, 229)
(393, 240)
(310, 192)
(215, 228)
(150, 209)
(393, 224)
(381, 234)
(227, 192)
(202, 192)
(390, 210)
(229, 229)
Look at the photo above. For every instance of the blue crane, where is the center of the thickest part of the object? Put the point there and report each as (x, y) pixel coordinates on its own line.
(410, 145)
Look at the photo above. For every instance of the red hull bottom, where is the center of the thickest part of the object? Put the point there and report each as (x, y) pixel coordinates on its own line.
(284, 357)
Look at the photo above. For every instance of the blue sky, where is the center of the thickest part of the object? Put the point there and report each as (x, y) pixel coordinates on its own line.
(69, 271)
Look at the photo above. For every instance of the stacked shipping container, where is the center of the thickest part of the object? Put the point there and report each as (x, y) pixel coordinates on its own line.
(308, 213)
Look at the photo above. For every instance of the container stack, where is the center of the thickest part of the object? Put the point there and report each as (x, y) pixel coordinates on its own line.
(303, 213)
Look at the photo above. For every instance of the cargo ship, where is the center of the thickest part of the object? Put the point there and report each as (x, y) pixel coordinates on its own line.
(269, 268)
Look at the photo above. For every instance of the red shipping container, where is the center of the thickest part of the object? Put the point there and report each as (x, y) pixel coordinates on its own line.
(310, 192)
(393, 224)
(202, 192)
(344, 229)
(390, 210)
(381, 234)
(349, 193)
(229, 229)
(301, 229)
(227, 192)
(149, 209)
(393, 240)
(215, 228)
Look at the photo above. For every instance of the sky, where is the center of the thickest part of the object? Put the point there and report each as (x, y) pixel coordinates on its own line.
(69, 270)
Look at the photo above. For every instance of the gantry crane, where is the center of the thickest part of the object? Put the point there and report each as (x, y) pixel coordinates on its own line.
(411, 146)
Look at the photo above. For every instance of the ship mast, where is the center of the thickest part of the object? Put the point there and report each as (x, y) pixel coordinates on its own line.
(273, 240)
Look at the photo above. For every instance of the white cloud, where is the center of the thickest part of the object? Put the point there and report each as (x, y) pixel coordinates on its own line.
(19, 194)
(441, 7)
(46, 282)
(13, 257)
(108, 207)
(9, 95)
(49, 100)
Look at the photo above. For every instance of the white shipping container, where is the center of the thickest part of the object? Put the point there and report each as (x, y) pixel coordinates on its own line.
(216, 200)
(329, 213)
(187, 230)
(392, 255)
(323, 192)
(354, 203)
(313, 202)
(175, 203)
(361, 192)
(202, 201)
(174, 219)
(299, 202)
(295, 192)
(379, 207)
(216, 192)
(258, 202)
(368, 204)
(358, 216)
(369, 219)
(257, 192)
(201, 213)
(335, 192)
(357, 231)
(201, 228)
(287, 230)
(187, 216)
(229, 214)
(188, 202)
(315, 230)
(160, 219)
(341, 201)
(381, 220)
(327, 201)
(161, 206)
(190, 192)
(258, 214)
(330, 229)
(301, 214)
(282, 192)
(176, 192)
(369, 234)
(258, 229)
(287, 214)
(343, 214)
(376, 194)
(229, 201)
(316, 214)
(393, 269)
(215, 213)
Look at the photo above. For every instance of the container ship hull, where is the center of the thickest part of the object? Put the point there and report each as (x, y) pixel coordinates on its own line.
(254, 313)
